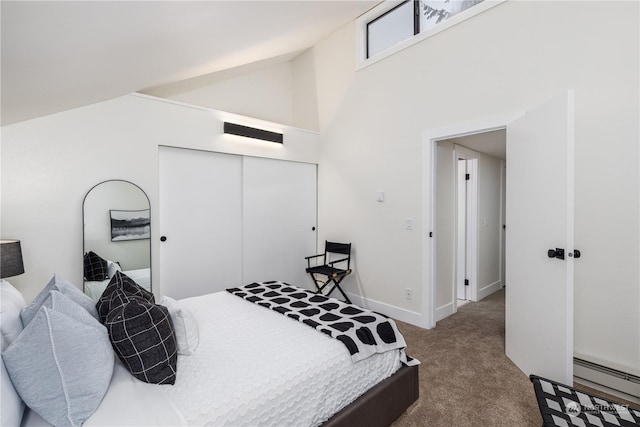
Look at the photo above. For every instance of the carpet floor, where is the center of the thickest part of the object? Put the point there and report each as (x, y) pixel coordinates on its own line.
(465, 377)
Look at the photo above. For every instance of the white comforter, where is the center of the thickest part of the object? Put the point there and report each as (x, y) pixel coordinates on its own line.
(257, 367)
(253, 367)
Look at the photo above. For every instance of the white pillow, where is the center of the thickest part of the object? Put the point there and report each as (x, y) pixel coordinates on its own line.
(12, 302)
(112, 267)
(62, 362)
(184, 325)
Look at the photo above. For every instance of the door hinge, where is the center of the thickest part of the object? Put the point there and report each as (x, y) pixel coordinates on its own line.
(467, 177)
(466, 282)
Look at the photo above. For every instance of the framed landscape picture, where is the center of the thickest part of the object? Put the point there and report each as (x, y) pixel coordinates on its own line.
(130, 225)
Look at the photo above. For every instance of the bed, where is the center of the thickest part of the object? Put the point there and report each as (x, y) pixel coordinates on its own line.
(250, 365)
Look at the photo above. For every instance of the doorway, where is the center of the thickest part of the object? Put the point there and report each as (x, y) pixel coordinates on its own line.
(540, 211)
(469, 253)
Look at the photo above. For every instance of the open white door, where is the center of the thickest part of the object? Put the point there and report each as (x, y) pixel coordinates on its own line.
(539, 294)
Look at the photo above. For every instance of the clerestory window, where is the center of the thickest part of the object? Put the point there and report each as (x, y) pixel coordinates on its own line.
(393, 24)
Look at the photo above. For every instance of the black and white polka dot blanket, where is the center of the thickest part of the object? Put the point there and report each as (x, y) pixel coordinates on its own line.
(362, 331)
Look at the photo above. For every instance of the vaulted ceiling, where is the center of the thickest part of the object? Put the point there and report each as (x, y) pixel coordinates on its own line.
(58, 55)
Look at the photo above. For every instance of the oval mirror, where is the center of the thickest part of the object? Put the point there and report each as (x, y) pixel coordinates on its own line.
(116, 235)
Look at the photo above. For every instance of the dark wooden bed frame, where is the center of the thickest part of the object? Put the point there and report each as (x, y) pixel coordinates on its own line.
(382, 404)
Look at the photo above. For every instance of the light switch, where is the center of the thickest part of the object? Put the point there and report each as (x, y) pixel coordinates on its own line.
(409, 224)
(380, 196)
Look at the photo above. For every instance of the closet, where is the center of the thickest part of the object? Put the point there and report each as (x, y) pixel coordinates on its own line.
(227, 220)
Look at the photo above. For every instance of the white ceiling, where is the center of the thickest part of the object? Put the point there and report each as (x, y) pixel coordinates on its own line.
(493, 143)
(58, 55)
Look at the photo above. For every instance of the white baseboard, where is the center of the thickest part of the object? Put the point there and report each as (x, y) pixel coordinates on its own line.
(489, 289)
(392, 311)
(618, 383)
(444, 311)
(607, 390)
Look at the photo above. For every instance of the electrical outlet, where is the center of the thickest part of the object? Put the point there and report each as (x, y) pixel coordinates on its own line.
(408, 293)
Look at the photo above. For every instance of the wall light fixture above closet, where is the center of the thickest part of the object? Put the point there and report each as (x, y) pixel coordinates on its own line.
(250, 132)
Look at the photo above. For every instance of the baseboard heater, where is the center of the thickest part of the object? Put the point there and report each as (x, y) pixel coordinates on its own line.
(613, 379)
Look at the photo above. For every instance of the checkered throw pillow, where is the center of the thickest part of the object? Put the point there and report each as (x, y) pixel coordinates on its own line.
(110, 298)
(143, 337)
(95, 267)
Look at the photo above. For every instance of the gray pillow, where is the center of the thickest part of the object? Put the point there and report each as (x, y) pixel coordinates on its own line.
(12, 406)
(59, 284)
(61, 303)
(62, 362)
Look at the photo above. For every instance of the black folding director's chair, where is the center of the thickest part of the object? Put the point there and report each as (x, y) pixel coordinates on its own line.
(328, 269)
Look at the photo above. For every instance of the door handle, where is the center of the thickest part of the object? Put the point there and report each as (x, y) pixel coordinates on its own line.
(556, 253)
(163, 238)
(559, 253)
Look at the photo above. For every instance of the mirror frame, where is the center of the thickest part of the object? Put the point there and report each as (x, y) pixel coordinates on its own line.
(84, 199)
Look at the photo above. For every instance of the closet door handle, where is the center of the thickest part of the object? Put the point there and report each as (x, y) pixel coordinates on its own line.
(163, 238)
(313, 229)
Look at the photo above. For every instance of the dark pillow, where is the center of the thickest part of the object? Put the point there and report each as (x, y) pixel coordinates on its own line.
(143, 337)
(95, 267)
(110, 298)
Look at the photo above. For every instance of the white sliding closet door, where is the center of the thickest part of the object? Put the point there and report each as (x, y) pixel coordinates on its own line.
(201, 218)
(279, 219)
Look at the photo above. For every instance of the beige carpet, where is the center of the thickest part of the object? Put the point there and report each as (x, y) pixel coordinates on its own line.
(465, 377)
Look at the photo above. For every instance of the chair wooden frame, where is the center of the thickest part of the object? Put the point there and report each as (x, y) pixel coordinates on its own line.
(333, 274)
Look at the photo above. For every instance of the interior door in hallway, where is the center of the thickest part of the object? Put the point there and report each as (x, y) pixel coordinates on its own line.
(539, 212)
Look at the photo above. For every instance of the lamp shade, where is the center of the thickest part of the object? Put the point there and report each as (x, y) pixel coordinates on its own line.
(10, 258)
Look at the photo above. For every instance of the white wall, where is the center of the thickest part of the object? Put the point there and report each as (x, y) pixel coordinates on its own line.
(284, 92)
(305, 95)
(445, 231)
(49, 163)
(265, 94)
(510, 58)
(489, 226)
